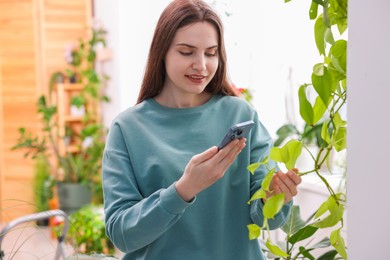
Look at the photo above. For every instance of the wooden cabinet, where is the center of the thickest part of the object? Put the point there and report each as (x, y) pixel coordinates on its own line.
(33, 37)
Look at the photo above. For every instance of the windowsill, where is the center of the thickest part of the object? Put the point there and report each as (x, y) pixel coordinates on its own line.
(312, 183)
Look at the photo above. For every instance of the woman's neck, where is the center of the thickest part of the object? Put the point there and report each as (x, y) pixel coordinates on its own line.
(181, 100)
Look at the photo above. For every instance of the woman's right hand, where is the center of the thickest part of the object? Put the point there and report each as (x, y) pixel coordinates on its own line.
(206, 168)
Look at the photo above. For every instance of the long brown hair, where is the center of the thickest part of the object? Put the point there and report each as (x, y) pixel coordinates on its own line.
(176, 15)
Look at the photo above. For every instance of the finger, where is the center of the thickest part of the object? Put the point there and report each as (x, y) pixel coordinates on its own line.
(232, 154)
(287, 185)
(226, 150)
(204, 156)
(294, 177)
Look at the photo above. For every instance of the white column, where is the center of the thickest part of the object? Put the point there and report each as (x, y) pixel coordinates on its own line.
(368, 177)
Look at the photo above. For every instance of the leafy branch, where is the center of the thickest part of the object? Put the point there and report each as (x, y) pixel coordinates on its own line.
(324, 122)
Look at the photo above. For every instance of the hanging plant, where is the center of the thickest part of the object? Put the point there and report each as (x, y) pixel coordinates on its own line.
(324, 122)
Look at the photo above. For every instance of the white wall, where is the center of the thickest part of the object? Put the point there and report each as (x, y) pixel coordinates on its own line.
(368, 176)
(130, 26)
(262, 39)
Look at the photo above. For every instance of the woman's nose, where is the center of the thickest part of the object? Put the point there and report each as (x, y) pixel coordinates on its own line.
(199, 63)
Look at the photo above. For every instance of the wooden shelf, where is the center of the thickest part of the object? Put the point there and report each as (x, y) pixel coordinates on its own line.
(72, 148)
(70, 118)
(62, 95)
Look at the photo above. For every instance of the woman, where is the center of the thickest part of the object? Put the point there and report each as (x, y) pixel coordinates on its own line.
(169, 192)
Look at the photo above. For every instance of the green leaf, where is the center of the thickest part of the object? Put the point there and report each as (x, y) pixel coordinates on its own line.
(335, 210)
(254, 231)
(78, 101)
(330, 255)
(338, 243)
(275, 249)
(267, 180)
(323, 85)
(259, 194)
(253, 167)
(294, 150)
(340, 139)
(279, 155)
(325, 133)
(284, 131)
(318, 110)
(342, 25)
(319, 33)
(325, 242)
(302, 234)
(329, 36)
(306, 253)
(338, 121)
(313, 11)
(294, 221)
(288, 154)
(338, 52)
(273, 205)
(318, 69)
(305, 108)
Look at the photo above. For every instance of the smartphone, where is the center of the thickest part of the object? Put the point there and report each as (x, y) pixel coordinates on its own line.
(235, 132)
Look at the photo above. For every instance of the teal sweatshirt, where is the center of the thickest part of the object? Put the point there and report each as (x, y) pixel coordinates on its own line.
(147, 149)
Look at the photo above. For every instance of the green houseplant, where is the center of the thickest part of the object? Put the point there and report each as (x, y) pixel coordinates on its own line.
(87, 231)
(41, 186)
(329, 83)
(79, 169)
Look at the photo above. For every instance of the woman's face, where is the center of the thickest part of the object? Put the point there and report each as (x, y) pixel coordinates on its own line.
(192, 58)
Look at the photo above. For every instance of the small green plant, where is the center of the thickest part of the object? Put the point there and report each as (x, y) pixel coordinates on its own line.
(81, 167)
(42, 183)
(87, 231)
(329, 83)
(81, 69)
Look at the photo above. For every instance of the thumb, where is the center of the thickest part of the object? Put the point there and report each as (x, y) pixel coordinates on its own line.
(206, 155)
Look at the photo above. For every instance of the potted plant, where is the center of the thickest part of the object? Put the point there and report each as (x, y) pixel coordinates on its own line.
(87, 231)
(79, 169)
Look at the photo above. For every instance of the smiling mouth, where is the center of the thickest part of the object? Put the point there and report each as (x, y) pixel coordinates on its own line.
(195, 77)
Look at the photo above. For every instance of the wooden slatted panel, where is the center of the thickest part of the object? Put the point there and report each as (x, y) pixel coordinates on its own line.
(64, 23)
(1, 135)
(19, 95)
(33, 35)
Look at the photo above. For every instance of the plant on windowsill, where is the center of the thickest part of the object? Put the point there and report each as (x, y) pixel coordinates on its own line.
(80, 167)
(329, 82)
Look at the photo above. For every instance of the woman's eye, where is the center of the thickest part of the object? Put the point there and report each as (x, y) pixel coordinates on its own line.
(211, 54)
(185, 53)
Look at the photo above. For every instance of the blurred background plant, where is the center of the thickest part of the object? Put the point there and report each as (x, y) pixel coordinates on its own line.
(82, 164)
(87, 231)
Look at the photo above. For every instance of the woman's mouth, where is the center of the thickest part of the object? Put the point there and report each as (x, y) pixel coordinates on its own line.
(196, 78)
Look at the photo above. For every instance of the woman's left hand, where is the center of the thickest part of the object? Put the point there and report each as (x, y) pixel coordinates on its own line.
(286, 183)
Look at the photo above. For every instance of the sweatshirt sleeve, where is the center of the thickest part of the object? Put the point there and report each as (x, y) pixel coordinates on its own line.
(261, 144)
(134, 221)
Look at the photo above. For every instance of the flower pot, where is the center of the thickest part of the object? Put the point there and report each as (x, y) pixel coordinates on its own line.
(73, 196)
